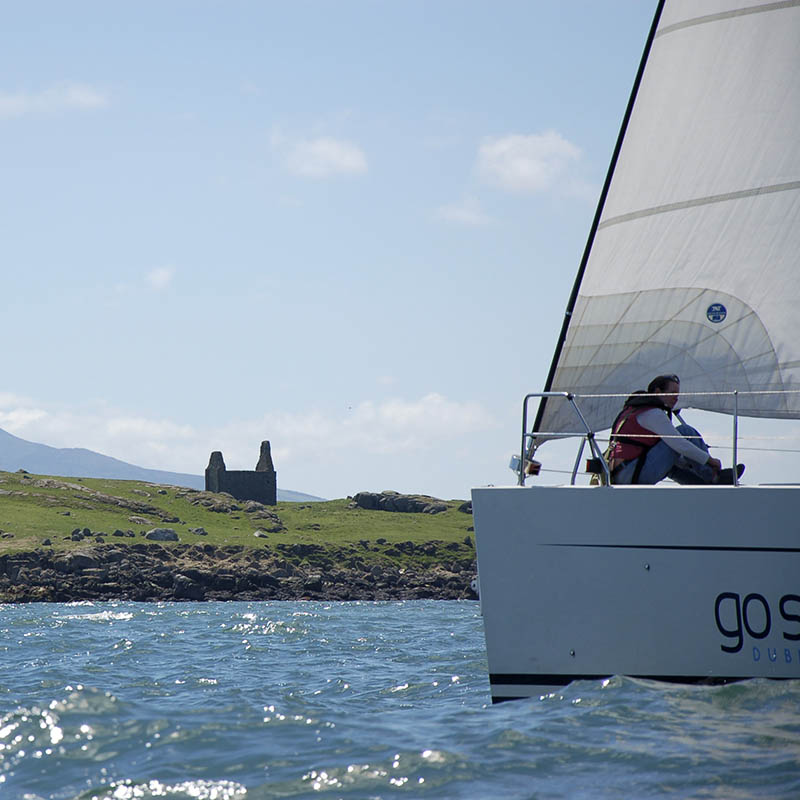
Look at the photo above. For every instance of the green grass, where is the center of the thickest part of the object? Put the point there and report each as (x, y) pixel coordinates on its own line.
(34, 508)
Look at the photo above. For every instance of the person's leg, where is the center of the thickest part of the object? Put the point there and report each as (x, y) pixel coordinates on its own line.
(686, 471)
(658, 463)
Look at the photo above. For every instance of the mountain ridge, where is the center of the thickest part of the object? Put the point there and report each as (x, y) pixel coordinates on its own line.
(78, 462)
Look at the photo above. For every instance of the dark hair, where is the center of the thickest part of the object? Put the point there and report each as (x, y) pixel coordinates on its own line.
(660, 383)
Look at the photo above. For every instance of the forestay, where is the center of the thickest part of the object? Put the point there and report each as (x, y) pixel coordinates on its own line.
(693, 266)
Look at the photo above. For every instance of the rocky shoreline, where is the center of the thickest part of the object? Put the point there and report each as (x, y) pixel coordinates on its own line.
(153, 572)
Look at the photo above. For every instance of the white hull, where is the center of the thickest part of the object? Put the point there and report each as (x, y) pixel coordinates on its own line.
(685, 584)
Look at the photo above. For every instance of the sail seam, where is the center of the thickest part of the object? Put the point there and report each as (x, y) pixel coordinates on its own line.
(740, 12)
(701, 201)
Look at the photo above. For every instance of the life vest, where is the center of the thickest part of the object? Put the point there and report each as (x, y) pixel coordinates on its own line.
(629, 439)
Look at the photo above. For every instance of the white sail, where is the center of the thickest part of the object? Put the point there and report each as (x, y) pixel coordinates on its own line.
(694, 267)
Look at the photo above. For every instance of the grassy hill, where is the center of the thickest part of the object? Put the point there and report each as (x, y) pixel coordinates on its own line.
(35, 509)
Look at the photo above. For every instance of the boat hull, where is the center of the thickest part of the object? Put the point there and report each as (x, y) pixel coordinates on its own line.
(684, 584)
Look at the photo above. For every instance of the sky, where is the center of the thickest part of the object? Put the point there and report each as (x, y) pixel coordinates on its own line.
(350, 227)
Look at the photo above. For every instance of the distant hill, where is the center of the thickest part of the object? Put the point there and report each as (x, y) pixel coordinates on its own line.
(77, 462)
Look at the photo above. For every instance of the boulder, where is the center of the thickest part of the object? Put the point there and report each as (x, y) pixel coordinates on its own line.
(184, 588)
(394, 501)
(162, 535)
(77, 562)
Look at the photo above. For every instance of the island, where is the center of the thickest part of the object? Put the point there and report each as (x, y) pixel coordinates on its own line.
(90, 539)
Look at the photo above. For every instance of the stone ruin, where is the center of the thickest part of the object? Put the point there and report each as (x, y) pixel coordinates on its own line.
(260, 485)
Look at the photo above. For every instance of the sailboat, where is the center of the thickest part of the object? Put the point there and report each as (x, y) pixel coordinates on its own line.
(691, 268)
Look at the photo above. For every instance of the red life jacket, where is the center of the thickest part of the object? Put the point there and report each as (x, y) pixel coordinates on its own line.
(629, 439)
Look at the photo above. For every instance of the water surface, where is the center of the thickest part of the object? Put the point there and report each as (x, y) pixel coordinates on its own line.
(351, 700)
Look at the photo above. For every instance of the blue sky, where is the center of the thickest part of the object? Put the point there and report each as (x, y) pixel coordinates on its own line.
(350, 228)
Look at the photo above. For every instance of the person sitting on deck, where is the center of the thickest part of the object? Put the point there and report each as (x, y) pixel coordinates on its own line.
(645, 447)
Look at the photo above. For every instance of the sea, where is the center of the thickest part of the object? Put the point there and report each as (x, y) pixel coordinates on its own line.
(224, 701)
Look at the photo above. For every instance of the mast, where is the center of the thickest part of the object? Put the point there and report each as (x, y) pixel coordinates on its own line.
(596, 221)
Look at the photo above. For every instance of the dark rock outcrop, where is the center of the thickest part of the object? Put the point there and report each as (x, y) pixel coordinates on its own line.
(147, 571)
(394, 501)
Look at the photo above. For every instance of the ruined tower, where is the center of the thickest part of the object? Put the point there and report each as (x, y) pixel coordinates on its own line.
(260, 484)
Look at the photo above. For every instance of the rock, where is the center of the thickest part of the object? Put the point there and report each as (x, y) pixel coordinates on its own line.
(195, 571)
(77, 536)
(139, 520)
(260, 534)
(162, 535)
(468, 541)
(224, 583)
(198, 531)
(404, 503)
(184, 588)
(118, 532)
(80, 561)
(46, 543)
(466, 508)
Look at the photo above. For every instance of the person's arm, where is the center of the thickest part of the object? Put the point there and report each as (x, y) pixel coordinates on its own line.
(657, 421)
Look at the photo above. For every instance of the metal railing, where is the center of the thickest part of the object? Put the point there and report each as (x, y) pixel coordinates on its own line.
(588, 435)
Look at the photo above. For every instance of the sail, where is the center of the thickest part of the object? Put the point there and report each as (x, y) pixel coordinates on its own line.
(694, 265)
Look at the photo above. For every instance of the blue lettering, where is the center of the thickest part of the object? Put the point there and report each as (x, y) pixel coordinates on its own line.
(787, 654)
(756, 654)
(773, 656)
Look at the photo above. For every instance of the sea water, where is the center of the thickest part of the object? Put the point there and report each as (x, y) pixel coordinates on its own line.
(352, 700)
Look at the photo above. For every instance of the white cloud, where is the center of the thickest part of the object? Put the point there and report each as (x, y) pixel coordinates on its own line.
(17, 418)
(526, 163)
(17, 412)
(160, 277)
(322, 157)
(468, 212)
(63, 96)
